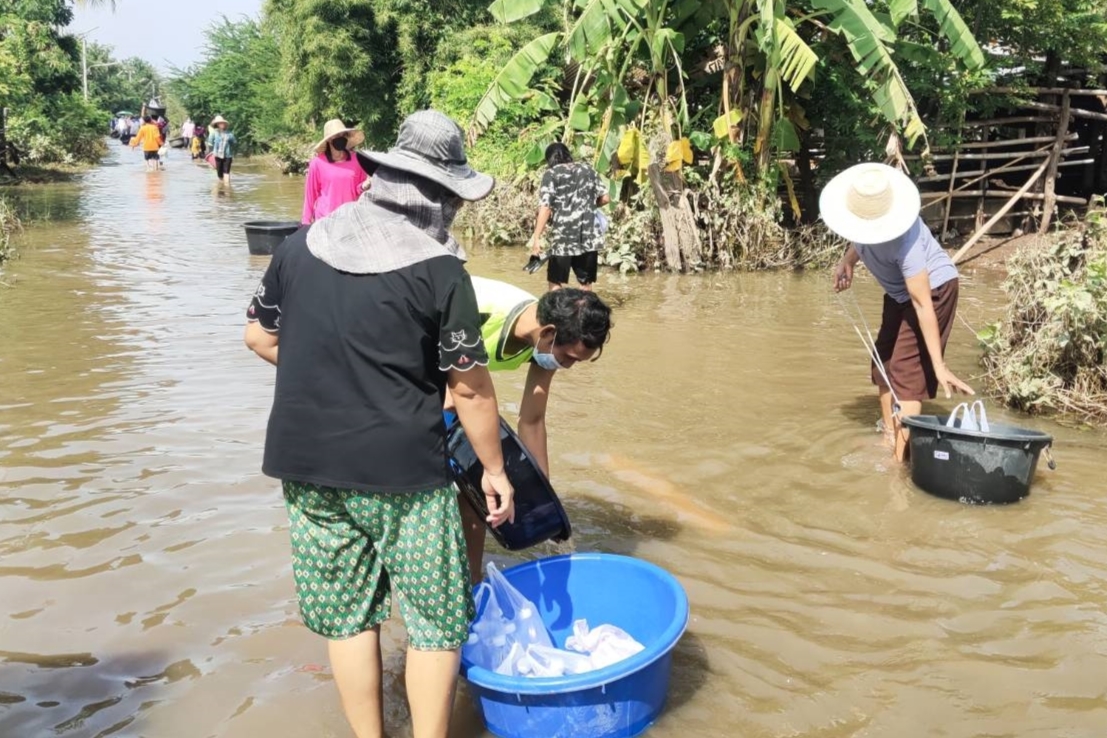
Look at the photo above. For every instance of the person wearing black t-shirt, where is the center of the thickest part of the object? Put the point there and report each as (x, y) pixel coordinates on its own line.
(369, 315)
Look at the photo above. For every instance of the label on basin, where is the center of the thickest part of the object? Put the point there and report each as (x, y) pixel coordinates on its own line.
(943, 455)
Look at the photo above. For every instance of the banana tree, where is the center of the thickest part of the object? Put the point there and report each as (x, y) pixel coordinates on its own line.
(605, 40)
(606, 37)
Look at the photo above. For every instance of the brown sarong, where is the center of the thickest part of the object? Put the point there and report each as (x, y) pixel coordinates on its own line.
(901, 347)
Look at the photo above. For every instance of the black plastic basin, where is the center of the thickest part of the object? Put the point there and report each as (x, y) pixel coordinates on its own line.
(539, 515)
(974, 467)
(262, 236)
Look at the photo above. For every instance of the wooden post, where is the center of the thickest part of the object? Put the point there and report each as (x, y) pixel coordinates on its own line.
(1050, 202)
(1002, 211)
(949, 194)
(670, 230)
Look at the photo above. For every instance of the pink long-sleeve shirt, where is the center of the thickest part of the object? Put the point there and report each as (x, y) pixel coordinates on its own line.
(329, 185)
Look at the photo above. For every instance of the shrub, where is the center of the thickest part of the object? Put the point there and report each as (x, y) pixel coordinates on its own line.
(9, 224)
(1047, 353)
(58, 130)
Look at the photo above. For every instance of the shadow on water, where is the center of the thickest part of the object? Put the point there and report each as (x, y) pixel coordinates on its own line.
(612, 527)
(44, 204)
(68, 694)
(691, 669)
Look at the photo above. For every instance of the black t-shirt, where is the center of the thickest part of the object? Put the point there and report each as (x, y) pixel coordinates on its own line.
(361, 368)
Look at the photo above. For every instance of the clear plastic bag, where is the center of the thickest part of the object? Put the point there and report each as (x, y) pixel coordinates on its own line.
(507, 625)
(604, 644)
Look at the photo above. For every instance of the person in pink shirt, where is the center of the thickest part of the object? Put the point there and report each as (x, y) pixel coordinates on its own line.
(334, 177)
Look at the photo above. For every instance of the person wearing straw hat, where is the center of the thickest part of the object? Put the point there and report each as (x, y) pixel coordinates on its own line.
(335, 176)
(877, 209)
(222, 147)
(374, 316)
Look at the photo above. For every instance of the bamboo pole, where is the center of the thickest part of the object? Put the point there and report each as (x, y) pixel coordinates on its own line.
(1003, 121)
(1074, 112)
(993, 144)
(937, 198)
(1002, 211)
(1027, 168)
(982, 174)
(1075, 91)
(949, 194)
(1050, 190)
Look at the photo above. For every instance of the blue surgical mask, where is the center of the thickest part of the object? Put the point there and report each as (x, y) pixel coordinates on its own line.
(545, 360)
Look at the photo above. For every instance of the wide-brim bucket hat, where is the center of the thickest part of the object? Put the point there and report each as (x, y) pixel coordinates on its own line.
(870, 203)
(219, 119)
(335, 128)
(431, 145)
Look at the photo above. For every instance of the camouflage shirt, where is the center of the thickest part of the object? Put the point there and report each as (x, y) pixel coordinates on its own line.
(570, 191)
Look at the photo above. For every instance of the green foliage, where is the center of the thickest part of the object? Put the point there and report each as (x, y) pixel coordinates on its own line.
(1049, 351)
(9, 224)
(468, 64)
(40, 83)
(121, 85)
(238, 80)
(336, 60)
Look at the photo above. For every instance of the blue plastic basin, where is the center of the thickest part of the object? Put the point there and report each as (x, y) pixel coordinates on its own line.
(618, 701)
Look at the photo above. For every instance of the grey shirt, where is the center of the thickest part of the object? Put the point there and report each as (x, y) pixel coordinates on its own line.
(892, 263)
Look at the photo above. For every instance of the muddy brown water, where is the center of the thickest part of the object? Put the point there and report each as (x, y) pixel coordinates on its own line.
(727, 434)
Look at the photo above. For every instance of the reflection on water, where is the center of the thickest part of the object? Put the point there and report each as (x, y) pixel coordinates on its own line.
(726, 434)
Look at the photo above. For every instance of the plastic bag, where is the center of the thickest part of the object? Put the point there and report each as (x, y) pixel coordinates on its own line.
(507, 625)
(602, 222)
(540, 661)
(973, 418)
(604, 644)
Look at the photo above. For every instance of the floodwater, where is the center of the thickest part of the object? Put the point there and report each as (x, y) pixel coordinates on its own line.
(726, 434)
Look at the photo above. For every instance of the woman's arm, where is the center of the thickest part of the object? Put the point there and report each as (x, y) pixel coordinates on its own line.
(262, 342)
(843, 273)
(918, 286)
(311, 193)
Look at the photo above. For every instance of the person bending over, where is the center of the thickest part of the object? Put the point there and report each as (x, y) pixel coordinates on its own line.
(876, 208)
(544, 334)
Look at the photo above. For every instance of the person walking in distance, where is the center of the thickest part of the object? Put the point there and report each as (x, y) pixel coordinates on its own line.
(569, 195)
(222, 146)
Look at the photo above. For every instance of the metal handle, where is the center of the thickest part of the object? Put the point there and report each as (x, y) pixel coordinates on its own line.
(1049, 458)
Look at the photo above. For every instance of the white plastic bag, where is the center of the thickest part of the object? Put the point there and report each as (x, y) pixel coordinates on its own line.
(602, 222)
(507, 624)
(973, 418)
(540, 661)
(604, 644)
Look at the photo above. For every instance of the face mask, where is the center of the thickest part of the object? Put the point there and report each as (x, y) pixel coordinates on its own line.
(450, 206)
(339, 143)
(546, 361)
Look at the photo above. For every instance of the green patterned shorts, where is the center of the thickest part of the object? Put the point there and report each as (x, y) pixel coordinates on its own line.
(351, 550)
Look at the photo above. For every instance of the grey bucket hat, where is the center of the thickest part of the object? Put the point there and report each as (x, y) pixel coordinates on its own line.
(431, 145)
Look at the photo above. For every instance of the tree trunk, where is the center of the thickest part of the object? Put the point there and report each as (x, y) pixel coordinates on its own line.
(1049, 202)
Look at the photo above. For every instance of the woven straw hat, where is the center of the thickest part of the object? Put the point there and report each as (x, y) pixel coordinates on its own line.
(335, 128)
(870, 204)
(217, 120)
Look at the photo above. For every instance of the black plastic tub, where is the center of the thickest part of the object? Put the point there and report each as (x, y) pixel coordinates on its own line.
(177, 143)
(539, 515)
(262, 236)
(974, 467)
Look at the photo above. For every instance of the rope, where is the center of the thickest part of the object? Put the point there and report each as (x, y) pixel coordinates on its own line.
(869, 343)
